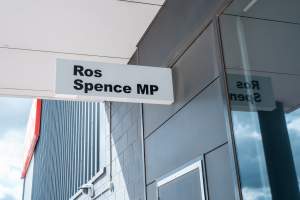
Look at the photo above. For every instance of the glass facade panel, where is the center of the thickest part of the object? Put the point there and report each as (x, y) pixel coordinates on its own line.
(293, 125)
(253, 172)
(184, 187)
(261, 47)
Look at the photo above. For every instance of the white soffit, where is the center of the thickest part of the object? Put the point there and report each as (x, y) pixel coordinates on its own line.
(154, 2)
(94, 27)
(34, 33)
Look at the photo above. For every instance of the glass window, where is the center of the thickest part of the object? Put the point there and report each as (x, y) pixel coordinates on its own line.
(253, 172)
(261, 47)
(187, 182)
(293, 125)
(184, 187)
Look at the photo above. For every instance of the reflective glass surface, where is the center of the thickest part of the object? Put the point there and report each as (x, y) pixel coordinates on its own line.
(183, 187)
(261, 48)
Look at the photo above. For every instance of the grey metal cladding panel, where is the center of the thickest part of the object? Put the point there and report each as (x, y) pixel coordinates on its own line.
(176, 24)
(196, 129)
(151, 191)
(56, 175)
(134, 59)
(192, 72)
(219, 174)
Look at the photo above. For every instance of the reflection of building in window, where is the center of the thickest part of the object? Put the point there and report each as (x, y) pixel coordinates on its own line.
(250, 153)
(293, 124)
(261, 39)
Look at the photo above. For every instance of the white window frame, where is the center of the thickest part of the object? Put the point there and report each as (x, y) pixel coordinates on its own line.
(188, 167)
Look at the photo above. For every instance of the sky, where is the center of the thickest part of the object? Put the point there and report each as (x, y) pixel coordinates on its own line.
(14, 113)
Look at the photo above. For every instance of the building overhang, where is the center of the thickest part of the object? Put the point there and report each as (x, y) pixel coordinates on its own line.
(34, 34)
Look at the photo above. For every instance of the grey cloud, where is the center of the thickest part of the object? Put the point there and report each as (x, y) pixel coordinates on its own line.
(8, 197)
(13, 113)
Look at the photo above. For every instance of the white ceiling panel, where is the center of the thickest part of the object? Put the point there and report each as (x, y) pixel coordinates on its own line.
(155, 2)
(32, 73)
(94, 27)
(35, 33)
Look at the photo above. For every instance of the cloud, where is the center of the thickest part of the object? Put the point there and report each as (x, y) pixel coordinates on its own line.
(11, 157)
(246, 125)
(294, 124)
(256, 194)
(10, 193)
(246, 132)
(13, 113)
(250, 150)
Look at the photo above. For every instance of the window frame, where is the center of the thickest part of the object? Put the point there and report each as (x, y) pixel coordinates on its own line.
(197, 163)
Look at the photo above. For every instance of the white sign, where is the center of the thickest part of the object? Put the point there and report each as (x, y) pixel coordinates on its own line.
(114, 82)
(250, 92)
